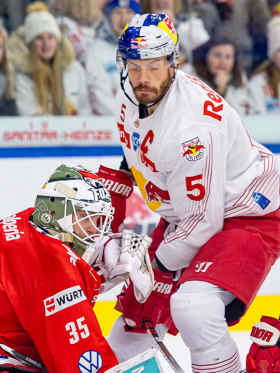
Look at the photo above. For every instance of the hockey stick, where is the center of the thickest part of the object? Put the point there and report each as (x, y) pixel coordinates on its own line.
(20, 357)
(165, 352)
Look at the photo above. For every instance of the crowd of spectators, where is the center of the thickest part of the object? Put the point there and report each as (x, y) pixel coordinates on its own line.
(58, 57)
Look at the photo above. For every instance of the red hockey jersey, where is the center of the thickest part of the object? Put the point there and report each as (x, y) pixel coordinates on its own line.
(46, 294)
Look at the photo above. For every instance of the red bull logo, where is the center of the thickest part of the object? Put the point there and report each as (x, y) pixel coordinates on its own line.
(138, 42)
(193, 150)
(154, 193)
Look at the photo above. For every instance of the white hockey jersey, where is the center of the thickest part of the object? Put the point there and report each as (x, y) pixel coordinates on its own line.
(196, 165)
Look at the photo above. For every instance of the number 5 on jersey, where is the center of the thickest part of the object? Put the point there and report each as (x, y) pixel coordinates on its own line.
(195, 190)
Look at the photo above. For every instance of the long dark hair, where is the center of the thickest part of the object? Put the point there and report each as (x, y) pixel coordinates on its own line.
(200, 63)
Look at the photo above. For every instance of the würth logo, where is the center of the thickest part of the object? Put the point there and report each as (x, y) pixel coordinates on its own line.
(64, 299)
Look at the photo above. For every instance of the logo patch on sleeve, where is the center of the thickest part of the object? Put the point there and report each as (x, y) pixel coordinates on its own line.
(193, 150)
(64, 299)
(261, 200)
(135, 140)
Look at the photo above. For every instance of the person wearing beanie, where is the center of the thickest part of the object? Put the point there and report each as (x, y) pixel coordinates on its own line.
(264, 84)
(7, 79)
(101, 59)
(49, 80)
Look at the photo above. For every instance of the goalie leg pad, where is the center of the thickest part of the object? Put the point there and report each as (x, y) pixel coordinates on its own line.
(127, 345)
(147, 362)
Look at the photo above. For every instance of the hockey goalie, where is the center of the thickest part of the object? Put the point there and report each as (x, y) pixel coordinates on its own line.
(54, 259)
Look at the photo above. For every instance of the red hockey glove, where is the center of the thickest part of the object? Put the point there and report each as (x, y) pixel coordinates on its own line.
(264, 354)
(156, 308)
(120, 186)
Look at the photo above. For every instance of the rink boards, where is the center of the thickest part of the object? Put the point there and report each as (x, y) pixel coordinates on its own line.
(262, 305)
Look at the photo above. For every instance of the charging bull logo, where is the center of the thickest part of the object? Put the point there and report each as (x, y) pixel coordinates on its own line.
(193, 150)
(138, 42)
(154, 193)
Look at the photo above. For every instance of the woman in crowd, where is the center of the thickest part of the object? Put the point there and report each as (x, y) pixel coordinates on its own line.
(7, 83)
(217, 63)
(49, 81)
(264, 85)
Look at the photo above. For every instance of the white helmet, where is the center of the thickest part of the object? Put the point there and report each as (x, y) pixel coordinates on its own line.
(70, 197)
(148, 36)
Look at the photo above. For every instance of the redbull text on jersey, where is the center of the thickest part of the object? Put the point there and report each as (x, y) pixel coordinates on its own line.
(64, 299)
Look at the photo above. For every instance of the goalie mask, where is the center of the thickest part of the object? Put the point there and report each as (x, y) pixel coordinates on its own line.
(74, 206)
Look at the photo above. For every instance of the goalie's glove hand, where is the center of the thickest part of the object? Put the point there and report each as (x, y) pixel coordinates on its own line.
(134, 259)
(264, 354)
(104, 253)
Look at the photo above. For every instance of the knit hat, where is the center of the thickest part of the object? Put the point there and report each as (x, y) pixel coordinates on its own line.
(132, 4)
(39, 20)
(273, 33)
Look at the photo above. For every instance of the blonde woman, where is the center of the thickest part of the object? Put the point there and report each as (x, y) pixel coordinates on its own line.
(49, 81)
(7, 83)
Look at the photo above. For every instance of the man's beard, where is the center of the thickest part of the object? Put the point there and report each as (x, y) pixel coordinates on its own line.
(158, 92)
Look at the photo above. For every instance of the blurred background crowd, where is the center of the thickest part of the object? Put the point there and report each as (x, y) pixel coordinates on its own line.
(58, 57)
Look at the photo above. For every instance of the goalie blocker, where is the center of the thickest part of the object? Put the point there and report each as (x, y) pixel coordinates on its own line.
(120, 186)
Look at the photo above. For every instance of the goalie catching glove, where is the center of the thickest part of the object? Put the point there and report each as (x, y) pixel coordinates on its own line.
(264, 354)
(120, 259)
(134, 260)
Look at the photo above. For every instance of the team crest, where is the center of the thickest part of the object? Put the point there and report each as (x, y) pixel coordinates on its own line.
(193, 150)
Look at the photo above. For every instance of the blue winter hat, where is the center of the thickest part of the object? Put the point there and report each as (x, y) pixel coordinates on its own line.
(132, 4)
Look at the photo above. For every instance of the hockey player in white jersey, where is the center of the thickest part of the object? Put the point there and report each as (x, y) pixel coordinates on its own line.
(216, 190)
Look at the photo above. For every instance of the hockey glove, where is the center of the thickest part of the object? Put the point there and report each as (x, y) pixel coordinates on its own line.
(120, 186)
(264, 353)
(156, 308)
(104, 256)
(134, 259)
